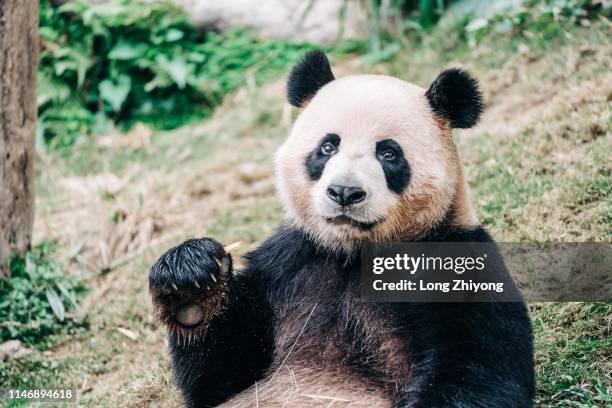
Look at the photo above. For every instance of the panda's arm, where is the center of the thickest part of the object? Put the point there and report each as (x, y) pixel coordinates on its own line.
(470, 355)
(219, 323)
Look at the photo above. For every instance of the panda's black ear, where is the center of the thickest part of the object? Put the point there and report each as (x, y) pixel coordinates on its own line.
(309, 75)
(454, 95)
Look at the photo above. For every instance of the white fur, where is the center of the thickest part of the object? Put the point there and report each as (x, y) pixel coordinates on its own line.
(364, 110)
(354, 166)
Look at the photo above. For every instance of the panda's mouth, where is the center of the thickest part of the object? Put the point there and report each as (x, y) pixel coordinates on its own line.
(346, 220)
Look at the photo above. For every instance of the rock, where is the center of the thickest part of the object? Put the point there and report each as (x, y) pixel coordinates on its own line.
(22, 352)
(9, 348)
(281, 18)
(13, 349)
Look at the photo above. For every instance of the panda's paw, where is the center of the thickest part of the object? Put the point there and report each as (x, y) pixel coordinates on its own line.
(189, 283)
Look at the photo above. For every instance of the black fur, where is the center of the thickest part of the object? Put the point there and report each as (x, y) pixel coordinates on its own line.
(397, 170)
(235, 347)
(235, 352)
(316, 160)
(460, 355)
(455, 96)
(187, 264)
(309, 75)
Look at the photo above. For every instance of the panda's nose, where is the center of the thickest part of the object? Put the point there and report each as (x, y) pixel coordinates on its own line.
(344, 195)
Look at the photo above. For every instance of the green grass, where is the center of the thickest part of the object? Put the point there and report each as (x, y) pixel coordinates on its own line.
(573, 348)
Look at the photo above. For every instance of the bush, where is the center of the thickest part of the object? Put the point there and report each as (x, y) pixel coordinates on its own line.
(539, 19)
(398, 23)
(127, 61)
(35, 298)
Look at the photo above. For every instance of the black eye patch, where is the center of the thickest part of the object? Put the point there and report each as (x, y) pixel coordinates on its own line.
(315, 163)
(394, 164)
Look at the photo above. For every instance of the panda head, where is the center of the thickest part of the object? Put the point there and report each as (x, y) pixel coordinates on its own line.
(370, 158)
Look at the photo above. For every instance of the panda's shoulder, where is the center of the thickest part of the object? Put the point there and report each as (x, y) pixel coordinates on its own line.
(449, 233)
(287, 249)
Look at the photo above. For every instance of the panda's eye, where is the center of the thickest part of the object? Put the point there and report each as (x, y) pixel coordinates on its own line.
(328, 149)
(388, 155)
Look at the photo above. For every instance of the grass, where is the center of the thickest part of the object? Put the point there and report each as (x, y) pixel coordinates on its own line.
(573, 348)
(538, 166)
(37, 300)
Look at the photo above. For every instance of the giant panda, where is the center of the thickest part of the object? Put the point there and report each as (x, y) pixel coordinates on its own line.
(370, 158)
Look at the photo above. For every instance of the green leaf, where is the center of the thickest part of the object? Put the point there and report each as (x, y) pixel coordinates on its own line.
(68, 295)
(174, 34)
(48, 34)
(159, 81)
(115, 93)
(125, 51)
(62, 66)
(176, 68)
(56, 304)
(72, 59)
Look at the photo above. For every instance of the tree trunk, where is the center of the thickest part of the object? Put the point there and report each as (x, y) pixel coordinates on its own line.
(18, 62)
